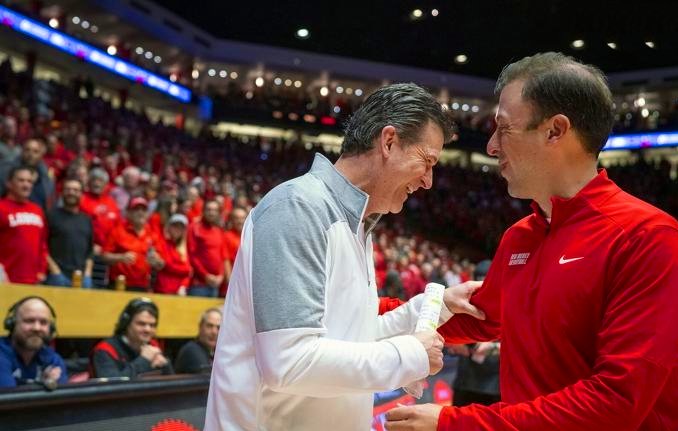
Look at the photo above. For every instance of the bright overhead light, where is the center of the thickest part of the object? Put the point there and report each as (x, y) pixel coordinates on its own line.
(211, 72)
(417, 13)
(650, 44)
(54, 23)
(337, 109)
(645, 112)
(349, 91)
(139, 50)
(358, 92)
(223, 73)
(324, 91)
(173, 77)
(112, 50)
(455, 106)
(85, 25)
(94, 29)
(475, 108)
(461, 59)
(259, 82)
(339, 89)
(297, 84)
(434, 12)
(612, 45)
(234, 75)
(195, 74)
(277, 81)
(303, 33)
(75, 20)
(148, 55)
(640, 102)
(157, 59)
(288, 82)
(577, 44)
(464, 107)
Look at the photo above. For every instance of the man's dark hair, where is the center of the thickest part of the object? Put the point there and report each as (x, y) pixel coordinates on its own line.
(134, 307)
(16, 169)
(407, 107)
(559, 84)
(75, 180)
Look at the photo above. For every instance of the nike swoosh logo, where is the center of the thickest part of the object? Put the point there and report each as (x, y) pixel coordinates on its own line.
(564, 261)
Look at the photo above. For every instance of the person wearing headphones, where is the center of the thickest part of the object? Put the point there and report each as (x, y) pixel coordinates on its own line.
(132, 350)
(25, 356)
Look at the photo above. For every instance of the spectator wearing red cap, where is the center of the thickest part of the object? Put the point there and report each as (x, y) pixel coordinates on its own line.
(130, 248)
(23, 229)
(207, 252)
(100, 206)
(175, 274)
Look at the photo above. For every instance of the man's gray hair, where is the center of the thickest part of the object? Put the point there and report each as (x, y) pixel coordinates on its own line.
(98, 173)
(407, 107)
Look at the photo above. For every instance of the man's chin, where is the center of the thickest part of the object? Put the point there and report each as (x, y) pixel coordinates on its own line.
(34, 342)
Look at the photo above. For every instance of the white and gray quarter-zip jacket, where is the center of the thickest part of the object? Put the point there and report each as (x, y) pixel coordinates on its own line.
(301, 345)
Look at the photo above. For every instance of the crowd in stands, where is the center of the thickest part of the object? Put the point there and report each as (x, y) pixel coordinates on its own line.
(103, 197)
(160, 210)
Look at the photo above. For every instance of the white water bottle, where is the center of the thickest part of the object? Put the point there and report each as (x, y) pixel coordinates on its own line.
(429, 315)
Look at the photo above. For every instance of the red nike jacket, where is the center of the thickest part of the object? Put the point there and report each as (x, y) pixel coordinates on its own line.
(586, 307)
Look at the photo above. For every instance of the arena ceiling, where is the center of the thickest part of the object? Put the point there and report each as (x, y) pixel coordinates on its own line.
(490, 33)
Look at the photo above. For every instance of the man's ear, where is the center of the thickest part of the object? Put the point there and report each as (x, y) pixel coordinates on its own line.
(558, 126)
(386, 139)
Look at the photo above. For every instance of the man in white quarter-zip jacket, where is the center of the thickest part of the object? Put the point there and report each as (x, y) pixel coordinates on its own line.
(301, 345)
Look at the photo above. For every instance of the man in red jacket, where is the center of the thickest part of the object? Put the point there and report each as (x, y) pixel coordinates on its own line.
(130, 249)
(208, 254)
(23, 229)
(582, 292)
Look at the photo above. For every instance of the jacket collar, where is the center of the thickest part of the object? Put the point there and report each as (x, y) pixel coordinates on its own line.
(348, 196)
(599, 189)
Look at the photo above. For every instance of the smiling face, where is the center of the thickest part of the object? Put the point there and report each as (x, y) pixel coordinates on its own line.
(142, 328)
(32, 326)
(407, 169)
(519, 148)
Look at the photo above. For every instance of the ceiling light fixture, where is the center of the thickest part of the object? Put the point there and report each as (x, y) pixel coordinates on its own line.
(303, 33)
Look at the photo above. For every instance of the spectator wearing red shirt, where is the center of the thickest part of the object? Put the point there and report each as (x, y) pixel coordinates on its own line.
(23, 229)
(208, 253)
(100, 206)
(236, 221)
(195, 203)
(130, 248)
(57, 157)
(175, 274)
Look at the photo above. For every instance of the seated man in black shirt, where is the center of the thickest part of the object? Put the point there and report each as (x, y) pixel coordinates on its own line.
(70, 239)
(133, 350)
(196, 356)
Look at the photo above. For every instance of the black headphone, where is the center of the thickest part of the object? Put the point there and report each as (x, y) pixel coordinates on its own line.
(10, 318)
(134, 307)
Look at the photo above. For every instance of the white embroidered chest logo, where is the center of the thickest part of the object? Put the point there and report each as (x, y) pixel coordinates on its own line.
(563, 261)
(518, 259)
